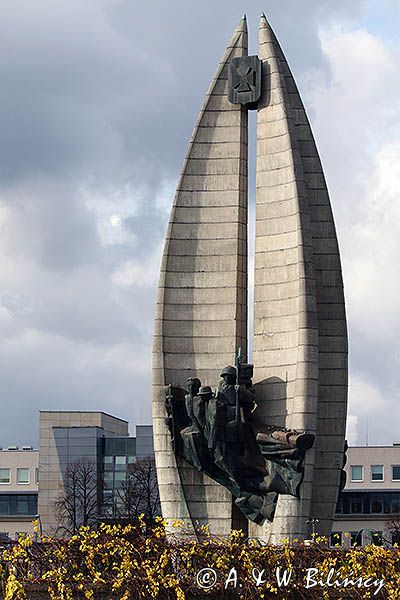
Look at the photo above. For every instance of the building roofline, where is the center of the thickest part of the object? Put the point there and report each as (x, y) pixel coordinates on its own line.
(377, 446)
(90, 412)
(371, 490)
(19, 450)
(78, 427)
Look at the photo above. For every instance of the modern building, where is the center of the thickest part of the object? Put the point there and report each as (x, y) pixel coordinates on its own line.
(370, 501)
(67, 437)
(119, 453)
(144, 441)
(19, 471)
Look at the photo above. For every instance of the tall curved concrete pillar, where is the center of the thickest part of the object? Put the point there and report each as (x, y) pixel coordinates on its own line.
(285, 324)
(202, 298)
(300, 337)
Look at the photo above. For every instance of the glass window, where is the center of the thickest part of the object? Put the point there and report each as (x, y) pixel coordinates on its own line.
(356, 538)
(376, 504)
(32, 503)
(108, 463)
(336, 538)
(356, 506)
(4, 505)
(357, 472)
(387, 503)
(108, 480)
(36, 475)
(120, 478)
(109, 446)
(131, 459)
(395, 508)
(120, 463)
(22, 475)
(131, 445)
(376, 472)
(396, 472)
(13, 505)
(120, 446)
(22, 505)
(5, 476)
(345, 503)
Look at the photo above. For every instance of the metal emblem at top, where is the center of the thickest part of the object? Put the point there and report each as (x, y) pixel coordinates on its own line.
(244, 78)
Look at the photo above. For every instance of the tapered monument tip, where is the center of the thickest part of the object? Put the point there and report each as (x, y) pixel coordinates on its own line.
(263, 21)
(244, 18)
(243, 24)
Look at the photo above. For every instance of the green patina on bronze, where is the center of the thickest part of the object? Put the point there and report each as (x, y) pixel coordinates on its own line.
(218, 434)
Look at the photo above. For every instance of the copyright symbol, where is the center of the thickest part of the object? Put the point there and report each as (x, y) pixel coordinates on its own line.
(206, 578)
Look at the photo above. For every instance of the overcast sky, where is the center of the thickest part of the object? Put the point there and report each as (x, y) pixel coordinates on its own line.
(97, 103)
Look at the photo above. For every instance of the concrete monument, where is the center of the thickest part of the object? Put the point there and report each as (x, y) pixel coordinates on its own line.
(265, 456)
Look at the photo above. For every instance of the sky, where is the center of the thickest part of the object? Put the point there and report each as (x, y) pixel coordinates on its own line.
(97, 103)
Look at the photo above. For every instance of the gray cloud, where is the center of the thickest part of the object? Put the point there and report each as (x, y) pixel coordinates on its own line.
(97, 104)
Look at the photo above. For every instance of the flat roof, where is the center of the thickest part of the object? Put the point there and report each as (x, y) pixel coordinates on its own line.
(90, 412)
(394, 445)
(371, 490)
(19, 449)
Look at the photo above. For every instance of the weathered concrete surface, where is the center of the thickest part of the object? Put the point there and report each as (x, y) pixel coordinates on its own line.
(300, 338)
(202, 300)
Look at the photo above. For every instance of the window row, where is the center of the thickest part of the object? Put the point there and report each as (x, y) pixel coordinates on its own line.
(23, 475)
(368, 503)
(119, 446)
(377, 472)
(118, 463)
(18, 504)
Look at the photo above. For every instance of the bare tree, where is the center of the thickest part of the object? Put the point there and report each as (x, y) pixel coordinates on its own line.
(139, 493)
(79, 504)
(393, 527)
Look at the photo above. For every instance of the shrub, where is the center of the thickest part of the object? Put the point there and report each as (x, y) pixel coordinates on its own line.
(128, 562)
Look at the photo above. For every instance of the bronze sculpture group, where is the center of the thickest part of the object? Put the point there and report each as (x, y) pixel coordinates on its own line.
(219, 434)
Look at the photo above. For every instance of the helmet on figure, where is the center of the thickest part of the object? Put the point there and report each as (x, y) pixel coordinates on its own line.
(228, 371)
(193, 385)
(205, 391)
(193, 381)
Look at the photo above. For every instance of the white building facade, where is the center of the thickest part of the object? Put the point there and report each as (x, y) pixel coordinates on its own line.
(370, 502)
(19, 484)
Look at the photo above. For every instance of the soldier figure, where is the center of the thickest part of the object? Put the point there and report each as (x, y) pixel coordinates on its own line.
(200, 406)
(193, 385)
(194, 436)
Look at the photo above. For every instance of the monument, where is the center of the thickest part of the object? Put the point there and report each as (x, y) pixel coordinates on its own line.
(264, 450)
